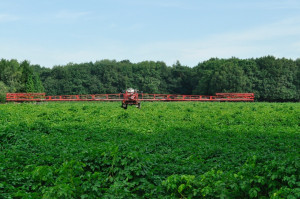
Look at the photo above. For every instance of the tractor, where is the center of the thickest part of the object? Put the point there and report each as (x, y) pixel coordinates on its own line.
(131, 97)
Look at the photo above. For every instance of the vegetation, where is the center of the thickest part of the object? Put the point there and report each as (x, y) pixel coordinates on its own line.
(271, 79)
(18, 77)
(165, 150)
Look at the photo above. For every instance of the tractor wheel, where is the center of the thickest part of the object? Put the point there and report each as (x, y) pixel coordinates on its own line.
(124, 106)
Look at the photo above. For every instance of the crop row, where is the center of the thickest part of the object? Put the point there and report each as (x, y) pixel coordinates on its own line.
(164, 150)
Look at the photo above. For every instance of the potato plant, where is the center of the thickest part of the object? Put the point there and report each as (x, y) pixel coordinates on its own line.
(164, 150)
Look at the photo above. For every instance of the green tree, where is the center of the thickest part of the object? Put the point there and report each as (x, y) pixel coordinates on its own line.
(38, 86)
(277, 79)
(3, 91)
(297, 79)
(30, 85)
(269, 78)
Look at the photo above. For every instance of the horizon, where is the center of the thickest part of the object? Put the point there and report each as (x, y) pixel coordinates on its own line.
(114, 60)
(51, 33)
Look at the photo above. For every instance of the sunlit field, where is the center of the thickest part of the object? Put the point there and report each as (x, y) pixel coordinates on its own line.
(163, 150)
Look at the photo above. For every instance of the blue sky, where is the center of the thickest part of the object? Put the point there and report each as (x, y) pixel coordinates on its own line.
(56, 32)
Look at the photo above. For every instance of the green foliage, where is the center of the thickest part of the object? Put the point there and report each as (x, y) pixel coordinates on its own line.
(165, 150)
(272, 179)
(277, 79)
(29, 85)
(3, 91)
(269, 78)
(18, 77)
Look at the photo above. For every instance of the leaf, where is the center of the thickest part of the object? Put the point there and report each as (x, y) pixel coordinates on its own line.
(253, 192)
(181, 188)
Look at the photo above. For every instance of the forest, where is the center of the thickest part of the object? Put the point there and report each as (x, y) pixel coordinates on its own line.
(269, 78)
(18, 77)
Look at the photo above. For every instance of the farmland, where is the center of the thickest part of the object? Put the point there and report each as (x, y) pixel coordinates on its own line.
(164, 150)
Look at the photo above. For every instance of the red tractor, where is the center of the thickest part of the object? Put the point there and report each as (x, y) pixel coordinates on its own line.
(131, 97)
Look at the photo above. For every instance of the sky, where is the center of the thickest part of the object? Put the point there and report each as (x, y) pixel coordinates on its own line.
(57, 32)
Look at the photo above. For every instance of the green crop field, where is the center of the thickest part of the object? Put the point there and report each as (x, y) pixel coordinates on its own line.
(163, 150)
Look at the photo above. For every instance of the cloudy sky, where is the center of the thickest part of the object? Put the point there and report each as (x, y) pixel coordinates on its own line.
(56, 32)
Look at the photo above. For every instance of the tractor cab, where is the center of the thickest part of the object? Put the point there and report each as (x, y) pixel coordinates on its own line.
(130, 97)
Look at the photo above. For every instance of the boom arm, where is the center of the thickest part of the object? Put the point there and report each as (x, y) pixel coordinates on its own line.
(227, 97)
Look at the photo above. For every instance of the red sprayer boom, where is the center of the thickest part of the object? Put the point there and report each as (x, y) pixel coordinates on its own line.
(131, 97)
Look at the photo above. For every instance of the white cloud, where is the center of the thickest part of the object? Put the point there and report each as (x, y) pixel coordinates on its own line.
(281, 39)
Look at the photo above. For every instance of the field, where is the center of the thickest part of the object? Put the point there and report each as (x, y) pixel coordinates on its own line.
(163, 150)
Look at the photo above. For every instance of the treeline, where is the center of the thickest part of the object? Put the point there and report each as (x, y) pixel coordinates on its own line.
(270, 78)
(18, 77)
(109, 76)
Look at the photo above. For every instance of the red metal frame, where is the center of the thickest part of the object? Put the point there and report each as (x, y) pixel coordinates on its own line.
(20, 97)
(227, 97)
(131, 98)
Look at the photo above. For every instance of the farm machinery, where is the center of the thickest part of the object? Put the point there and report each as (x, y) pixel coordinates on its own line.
(131, 97)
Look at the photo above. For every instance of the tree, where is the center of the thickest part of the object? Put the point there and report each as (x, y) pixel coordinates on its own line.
(3, 91)
(271, 79)
(38, 86)
(30, 85)
(277, 79)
